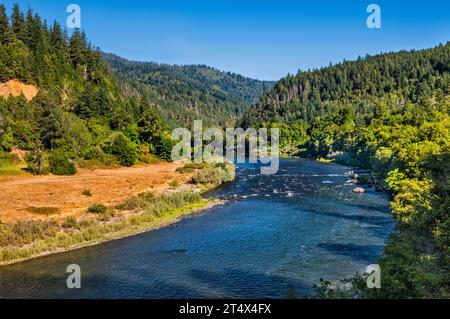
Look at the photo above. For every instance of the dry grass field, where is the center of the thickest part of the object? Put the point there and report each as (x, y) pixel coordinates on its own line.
(27, 197)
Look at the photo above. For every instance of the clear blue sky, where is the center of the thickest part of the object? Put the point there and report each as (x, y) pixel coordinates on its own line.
(264, 39)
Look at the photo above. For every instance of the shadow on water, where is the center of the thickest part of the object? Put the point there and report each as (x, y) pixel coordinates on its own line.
(228, 283)
(281, 236)
(363, 253)
(369, 219)
(251, 283)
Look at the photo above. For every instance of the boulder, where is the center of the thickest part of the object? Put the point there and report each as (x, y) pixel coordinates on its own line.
(359, 190)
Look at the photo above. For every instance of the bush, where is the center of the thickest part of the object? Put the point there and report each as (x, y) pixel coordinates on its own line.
(87, 193)
(174, 184)
(37, 162)
(70, 222)
(145, 155)
(215, 175)
(98, 209)
(61, 164)
(137, 202)
(189, 168)
(92, 153)
(122, 148)
(164, 148)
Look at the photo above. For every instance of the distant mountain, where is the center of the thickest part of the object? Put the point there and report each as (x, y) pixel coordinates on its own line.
(190, 92)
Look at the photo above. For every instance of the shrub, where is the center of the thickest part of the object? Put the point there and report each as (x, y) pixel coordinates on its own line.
(174, 184)
(122, 148)
(98, 209)
(215, 175)
(70, 222)
(145, 155)
(189, 168)
(87, 193)
(92, 153)
(61, 164)
(138, 201)
(37, 162)
(164, 148)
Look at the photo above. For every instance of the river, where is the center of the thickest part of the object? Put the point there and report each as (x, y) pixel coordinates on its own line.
(275, 239)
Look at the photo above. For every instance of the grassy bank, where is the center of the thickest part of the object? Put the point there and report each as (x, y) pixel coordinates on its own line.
(9, 166)
(26, 240)
(100, 223)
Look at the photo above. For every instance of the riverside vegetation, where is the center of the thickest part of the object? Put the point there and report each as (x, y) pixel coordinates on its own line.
(387, 113)
(83, 116)
(101, 223)
(390, 114)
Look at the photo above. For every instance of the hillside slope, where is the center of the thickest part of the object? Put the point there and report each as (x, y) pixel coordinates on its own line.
(408, 74)
(60, 101)
(186, 93)
(16, 88)
(390, 114)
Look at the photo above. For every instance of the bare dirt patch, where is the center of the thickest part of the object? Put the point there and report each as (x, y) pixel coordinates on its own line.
(28, 197)
(16, 88)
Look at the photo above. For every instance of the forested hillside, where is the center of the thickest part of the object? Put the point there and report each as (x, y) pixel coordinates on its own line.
(187, 93)
(390, 114)
(411, 75)
(80, 115)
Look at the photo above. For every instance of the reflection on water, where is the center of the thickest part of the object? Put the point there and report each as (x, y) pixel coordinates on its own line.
(276, 237)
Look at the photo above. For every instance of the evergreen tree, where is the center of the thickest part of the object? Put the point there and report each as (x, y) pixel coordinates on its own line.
(6, 34)
(18, 24)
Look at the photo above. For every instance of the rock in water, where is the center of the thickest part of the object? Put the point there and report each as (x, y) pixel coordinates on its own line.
(359, 190)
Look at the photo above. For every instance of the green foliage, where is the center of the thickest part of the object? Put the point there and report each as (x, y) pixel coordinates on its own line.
(122, 148)
(80, 103)
(409, 75)
(60, 163)
(37, 162)
(164, 147)
(98, 209)
(388, 113)
(186, 93)
(145, 155)
(214, 175)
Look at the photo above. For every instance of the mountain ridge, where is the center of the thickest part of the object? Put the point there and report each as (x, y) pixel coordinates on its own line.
(190, 92)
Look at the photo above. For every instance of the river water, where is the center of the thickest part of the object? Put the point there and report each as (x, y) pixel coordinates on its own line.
(275, 239)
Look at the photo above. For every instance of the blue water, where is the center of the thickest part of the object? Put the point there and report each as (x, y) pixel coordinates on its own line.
(275, 239)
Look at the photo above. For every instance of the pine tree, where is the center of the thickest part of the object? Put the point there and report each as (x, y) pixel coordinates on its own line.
(57, 36)
(6, 35)
(18, 23)
(78, 47)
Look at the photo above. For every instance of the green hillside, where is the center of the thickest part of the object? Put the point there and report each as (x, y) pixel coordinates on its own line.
(390, 114)
(187, 93)
(80, 115)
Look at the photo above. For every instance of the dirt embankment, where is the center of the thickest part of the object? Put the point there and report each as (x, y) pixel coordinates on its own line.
(16, 88)
(28, 197)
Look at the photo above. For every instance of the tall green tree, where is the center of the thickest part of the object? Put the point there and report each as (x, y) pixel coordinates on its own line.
(6, 34)
(18, 23)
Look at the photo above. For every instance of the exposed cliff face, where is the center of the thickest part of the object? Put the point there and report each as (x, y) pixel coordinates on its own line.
(16, 88)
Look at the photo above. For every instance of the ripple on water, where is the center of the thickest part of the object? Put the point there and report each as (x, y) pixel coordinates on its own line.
(277, 239)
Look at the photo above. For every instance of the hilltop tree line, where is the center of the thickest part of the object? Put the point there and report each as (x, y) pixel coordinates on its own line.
(310, 94)
(390, 114)
(191, 92)
(81, 114)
